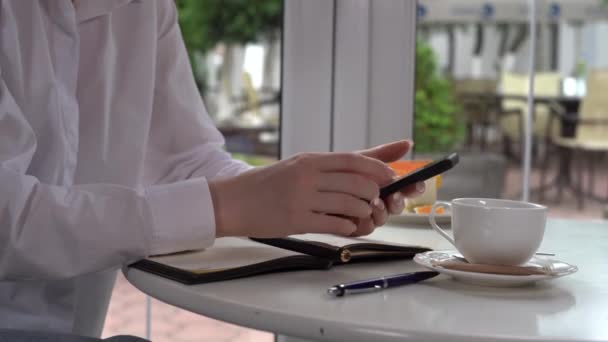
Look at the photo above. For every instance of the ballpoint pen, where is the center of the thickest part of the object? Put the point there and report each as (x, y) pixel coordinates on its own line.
(377, 284)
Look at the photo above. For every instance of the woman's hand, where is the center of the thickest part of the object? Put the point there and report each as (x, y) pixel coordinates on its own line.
(333, 193)
(394, 204)
(308, 193)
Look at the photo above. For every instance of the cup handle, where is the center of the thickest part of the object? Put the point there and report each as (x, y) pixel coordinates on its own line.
(434, 222)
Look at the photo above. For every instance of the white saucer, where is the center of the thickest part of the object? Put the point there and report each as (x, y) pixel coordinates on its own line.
(559, 269)
(413, 218)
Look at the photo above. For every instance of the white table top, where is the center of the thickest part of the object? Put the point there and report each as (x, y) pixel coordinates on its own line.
(573, 308)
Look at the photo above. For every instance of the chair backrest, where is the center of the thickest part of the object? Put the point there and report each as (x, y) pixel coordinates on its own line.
(473, 85)
(594, 106)
(474, 108)
(545, 84)
(513, 84)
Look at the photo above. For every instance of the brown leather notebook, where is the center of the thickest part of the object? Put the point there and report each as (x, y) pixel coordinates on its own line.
(231, 258)
(343, 249)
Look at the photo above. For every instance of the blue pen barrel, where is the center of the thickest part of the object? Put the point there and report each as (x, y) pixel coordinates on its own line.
(377, 284)
(399, 279)
(364, 284)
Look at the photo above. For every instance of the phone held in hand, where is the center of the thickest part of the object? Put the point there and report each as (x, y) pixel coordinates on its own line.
(428, 171)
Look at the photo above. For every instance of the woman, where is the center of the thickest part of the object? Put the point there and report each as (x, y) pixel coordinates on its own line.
(107, 155)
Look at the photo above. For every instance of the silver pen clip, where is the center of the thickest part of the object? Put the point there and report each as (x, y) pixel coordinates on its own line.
(369, 289)
(340, 291)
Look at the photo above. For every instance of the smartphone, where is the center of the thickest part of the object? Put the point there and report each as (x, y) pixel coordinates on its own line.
(429, 171)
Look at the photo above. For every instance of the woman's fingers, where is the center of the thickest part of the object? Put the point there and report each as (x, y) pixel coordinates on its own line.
(364, 227)
(349, 183)
(395, 203)
(341, 204)
(413, 190)
(379, 212)
(324, 193)
(356, 163)
(329, 224)
(389, 152)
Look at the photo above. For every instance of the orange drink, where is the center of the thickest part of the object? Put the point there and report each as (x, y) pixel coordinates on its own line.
(419, 203)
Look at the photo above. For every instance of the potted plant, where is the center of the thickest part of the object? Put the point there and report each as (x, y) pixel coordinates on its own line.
(225, 27)
(439, 128)
(233, 23)
(437, 124)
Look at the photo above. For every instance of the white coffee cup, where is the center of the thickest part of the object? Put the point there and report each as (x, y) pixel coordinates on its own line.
(494, 231)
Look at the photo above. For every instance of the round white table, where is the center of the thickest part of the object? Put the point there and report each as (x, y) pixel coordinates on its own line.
(572, 308)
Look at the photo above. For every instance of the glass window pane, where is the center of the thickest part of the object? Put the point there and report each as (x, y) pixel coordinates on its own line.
(572, 46)
(472, 87)
(466, 53)
(235, 50)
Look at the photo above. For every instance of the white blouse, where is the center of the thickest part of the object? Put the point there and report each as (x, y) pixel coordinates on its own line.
(105, 149)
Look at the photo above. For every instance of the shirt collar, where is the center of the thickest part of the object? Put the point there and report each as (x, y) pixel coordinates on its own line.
(89, 9)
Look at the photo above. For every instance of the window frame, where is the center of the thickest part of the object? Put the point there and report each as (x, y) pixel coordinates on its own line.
(350, 99)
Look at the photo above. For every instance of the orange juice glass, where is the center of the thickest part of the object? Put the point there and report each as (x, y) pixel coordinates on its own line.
(403, 167)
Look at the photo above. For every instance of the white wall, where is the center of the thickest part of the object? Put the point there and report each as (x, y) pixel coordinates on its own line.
(598, 49)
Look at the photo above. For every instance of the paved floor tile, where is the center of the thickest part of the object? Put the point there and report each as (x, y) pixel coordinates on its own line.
(126, 315)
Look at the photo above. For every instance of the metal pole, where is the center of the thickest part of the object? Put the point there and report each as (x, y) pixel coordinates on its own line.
(528, 119)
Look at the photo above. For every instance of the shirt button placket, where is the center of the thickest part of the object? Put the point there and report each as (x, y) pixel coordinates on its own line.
(66, 52)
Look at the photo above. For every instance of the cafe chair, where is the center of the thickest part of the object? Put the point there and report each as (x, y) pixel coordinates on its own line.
(590, 141)
(477, 102)
(514, 109)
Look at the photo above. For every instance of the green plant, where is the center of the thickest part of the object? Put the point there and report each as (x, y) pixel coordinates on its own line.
(205, 23)
(437, 126)
(580, 69)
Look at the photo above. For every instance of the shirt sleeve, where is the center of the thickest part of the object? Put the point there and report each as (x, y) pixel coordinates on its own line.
(52, 232)
(55, 232)
(185, 149)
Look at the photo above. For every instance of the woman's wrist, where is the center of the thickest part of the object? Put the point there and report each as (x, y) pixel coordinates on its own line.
(226, 207)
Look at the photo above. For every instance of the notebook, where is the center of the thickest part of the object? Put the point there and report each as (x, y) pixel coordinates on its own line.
(232, 257)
